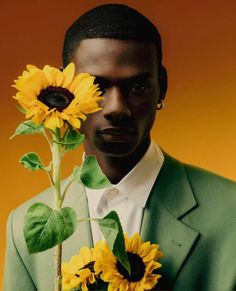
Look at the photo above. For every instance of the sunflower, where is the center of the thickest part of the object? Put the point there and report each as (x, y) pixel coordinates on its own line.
(53, 97)
(143, 258)
(80, 271)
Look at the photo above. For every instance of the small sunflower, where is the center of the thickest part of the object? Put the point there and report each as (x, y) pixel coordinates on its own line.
(53, 97)
(143, 258)
(80, 271)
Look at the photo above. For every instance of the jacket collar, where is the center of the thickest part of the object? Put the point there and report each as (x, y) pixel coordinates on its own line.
(173, 188)
(171, 199)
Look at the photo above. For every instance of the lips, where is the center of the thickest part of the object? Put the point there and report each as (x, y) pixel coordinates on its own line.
(117, 133)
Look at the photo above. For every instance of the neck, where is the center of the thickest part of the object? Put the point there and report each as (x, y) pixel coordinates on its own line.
(116, 167)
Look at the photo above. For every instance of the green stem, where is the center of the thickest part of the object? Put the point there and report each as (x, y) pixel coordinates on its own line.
(58, 276)
(50, 179)
(56, 168)
(56, 177)
(88, 219)
(65, 190)
(47, 138)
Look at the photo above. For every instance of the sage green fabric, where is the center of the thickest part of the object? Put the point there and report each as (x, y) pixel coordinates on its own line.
(190, 213)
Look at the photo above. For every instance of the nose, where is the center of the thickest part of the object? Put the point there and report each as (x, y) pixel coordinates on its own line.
(115, 105)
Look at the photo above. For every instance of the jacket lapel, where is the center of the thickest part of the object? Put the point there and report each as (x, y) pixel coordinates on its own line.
(170, 199)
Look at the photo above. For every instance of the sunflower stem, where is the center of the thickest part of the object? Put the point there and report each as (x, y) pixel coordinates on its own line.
(47, 138)
(67, 129)
(50, 178)
(65, 190)
(56, 173)
(58, 275)
(88, 219)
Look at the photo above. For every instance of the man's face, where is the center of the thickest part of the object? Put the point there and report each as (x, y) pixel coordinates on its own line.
(127, 73)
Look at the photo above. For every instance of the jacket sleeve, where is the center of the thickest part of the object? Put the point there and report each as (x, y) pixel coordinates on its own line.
(16, 276)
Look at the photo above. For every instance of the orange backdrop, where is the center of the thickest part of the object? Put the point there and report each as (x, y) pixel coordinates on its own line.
(198, 123)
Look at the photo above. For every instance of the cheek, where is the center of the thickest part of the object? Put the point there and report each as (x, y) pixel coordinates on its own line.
(150, 118)
(145, 118)
(87, 125)
(145, 108)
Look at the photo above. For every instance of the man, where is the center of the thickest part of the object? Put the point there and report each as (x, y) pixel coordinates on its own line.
(188, 211)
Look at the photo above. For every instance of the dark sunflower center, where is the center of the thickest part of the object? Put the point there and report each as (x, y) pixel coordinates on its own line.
(89, 266)
(137, 268)
(56, 97)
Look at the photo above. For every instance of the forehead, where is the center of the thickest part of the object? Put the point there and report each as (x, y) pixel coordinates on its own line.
(115, 58)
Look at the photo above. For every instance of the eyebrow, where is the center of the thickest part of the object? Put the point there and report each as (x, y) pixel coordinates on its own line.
(134, 78)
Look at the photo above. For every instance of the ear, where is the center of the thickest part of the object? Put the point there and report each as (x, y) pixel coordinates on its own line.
(162, 77)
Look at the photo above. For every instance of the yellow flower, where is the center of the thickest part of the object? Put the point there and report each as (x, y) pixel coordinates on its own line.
(143, 258)
(80, 271)
(53, 97)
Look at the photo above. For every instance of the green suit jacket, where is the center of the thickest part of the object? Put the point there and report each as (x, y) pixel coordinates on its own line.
(190, 213)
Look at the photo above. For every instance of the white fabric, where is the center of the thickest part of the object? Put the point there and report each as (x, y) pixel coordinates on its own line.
(129, 196)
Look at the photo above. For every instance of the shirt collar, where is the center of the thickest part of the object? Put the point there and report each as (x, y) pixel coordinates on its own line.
(137, 184)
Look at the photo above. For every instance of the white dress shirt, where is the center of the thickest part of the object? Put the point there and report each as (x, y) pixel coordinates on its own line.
(129, 196)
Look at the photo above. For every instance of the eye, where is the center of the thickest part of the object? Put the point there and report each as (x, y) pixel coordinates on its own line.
(138, 88)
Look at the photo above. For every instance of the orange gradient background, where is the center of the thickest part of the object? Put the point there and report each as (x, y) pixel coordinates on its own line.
(198, 123)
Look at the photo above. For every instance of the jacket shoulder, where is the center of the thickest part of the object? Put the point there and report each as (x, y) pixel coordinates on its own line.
(206, 178)
(211, 186)
(45, 196)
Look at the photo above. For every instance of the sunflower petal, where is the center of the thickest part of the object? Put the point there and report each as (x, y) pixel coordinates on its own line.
(68, 72)
(53, 121)
(39, 117)
(77, 266)
(49, 75)
(70, 281)
(78, 80)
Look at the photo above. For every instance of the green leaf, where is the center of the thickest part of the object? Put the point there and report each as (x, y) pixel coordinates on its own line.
(112, 230)
(91, 174)
(28, 127)
(76, 174)
(45, 227)
(21, 109)
(33, 162)
(72, 140)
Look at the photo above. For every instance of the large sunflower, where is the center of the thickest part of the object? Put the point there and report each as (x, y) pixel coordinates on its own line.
(143, 258)
(80, 272)
(53, 97)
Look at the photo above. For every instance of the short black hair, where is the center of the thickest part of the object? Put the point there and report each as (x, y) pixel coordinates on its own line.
(117, 21)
